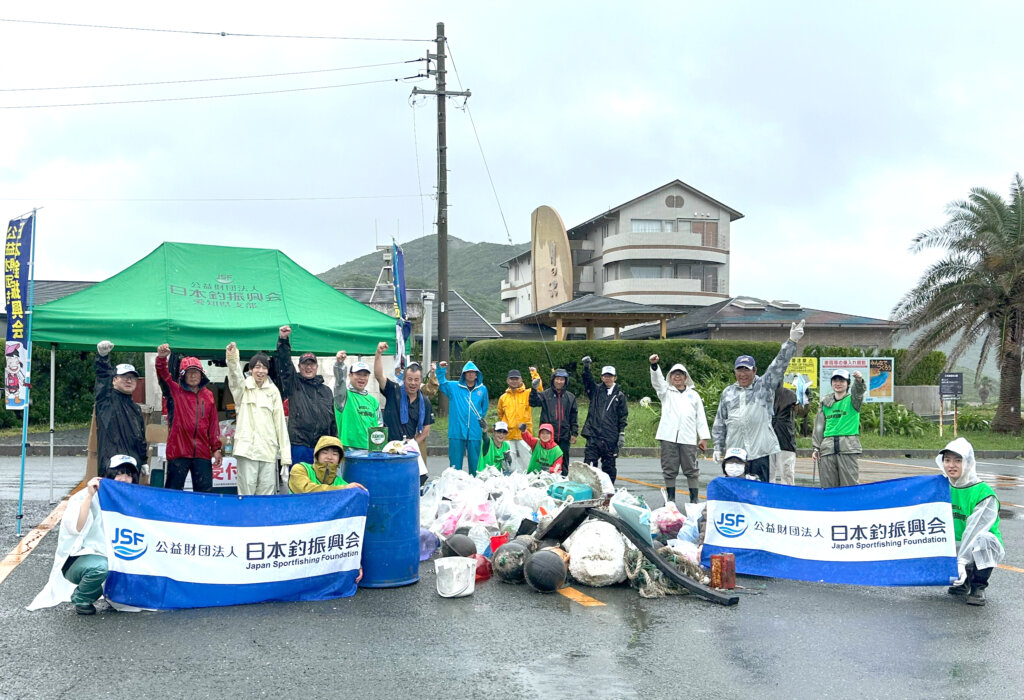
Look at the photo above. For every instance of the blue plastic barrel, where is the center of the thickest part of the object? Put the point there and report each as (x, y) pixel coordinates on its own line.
(391, 543)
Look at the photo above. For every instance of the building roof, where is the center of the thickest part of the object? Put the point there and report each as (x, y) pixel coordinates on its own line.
(597, 308)
(525, 331)
(524, 254)
(751, 312)
(464, 322)
(733, 214)
(44, 291)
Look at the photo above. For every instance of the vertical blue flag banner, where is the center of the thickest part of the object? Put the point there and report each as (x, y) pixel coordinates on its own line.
(17, 250)
(173, 549)
(890, 533)
(402, 325)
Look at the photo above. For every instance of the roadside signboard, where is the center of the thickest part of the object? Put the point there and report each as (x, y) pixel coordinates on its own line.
(951, 385)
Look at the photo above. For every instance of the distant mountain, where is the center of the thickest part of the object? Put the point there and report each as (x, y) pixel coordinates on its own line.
(473, 270)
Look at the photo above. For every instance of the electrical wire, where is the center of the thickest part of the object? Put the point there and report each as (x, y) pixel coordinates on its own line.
(215, 97)
(209, 80)
(419, 181)
(487, 168)
(203, 33)
(210, 199)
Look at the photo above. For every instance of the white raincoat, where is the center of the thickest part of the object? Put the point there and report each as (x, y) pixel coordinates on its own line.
(683, 419)
(977, 544)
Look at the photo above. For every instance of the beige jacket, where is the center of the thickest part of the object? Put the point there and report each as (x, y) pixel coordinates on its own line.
(260, 430)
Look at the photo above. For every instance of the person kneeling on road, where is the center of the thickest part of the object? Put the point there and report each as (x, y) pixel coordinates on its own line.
(547, 455)
(975, 521)
(324, 474)
(495, 451)
(80, 564)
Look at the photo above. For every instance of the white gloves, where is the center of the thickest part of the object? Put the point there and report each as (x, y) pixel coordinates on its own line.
(145, 469)
(286, 470)
(796, 331)
(104, 347)
(961, 570)
(716, 456)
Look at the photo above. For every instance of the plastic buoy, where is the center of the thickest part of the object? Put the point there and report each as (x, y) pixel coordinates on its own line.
(545, 571)
(509, 560)
(458, 546)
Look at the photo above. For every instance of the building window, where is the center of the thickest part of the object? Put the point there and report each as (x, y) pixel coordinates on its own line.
(652, 270)
(652, 226)
(674, 201)
(708, 231)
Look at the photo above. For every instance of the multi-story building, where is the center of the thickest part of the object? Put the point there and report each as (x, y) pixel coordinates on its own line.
(669, 247)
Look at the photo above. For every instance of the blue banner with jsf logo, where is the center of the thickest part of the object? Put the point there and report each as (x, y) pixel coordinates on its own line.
(172, 549)
(17, 252)
(890, 533)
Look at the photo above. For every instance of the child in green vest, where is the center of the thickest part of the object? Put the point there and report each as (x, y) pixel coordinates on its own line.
(324, 474)
(836, 437)
(975, 521)
(355, 408)
(495, 450)
(547, 455)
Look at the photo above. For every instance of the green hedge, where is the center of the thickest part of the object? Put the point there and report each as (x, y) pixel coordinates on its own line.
(706, 360)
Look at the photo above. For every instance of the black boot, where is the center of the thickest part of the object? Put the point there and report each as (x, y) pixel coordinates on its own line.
(671, 491)
(979, 582)
(693, 495)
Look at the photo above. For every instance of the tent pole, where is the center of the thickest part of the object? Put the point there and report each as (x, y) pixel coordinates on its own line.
(28, 372)
(53, 373)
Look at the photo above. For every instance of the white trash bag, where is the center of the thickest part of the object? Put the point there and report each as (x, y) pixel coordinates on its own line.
(597, 554)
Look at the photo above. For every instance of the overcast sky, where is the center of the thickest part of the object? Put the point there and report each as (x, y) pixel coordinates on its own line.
(839, 130)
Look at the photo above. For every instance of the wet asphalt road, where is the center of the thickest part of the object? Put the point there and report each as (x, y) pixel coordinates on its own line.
(785, 639)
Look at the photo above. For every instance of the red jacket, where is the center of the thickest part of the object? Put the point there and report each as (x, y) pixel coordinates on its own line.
(195, 432)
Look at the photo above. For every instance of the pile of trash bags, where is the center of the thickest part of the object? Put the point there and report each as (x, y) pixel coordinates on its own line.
(496, 517)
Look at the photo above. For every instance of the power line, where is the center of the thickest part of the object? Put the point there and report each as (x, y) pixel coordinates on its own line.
(210, 199)
(207, 80)
(419, 181)
(487, 168)
(215, 97)
(203, 33)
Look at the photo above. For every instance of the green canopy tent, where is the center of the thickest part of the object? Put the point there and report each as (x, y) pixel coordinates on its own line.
(199, 298)
(202, 297)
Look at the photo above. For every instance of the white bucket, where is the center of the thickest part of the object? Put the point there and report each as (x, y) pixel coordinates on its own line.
(456, 576)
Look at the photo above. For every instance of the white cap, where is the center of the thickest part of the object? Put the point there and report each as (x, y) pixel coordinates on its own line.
(125, 369)
(118, 460)
(608, 369)
(735, 453)
(359, 367)
(501, 425)
(842, 374)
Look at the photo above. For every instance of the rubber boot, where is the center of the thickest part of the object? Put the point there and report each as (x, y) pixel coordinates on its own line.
(979, 582)
(693, 495)
(671, 491)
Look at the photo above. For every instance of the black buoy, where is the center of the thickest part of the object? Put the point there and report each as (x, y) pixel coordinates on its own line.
(529, 541)
(545, 571)
(509, 560)
(458, 546)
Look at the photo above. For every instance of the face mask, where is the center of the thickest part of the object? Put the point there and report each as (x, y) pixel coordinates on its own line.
(734, 469)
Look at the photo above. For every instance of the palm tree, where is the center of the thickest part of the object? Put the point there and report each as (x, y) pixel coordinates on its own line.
(985, 386)
(975, 292)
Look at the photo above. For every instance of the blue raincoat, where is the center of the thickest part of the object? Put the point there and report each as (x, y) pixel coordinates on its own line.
(465, 406)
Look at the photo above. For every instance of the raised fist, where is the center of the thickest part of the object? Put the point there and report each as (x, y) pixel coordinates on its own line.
(382, 347)
(532, 370)
(587, 361)
(535, 383)
(522, 427)
(442, 364)
(232, 347)
(104, 347)
(796, 331)
(340, 357)
(654, 359)
(433, 367)
(858, 375)
(163, 351)
(284, 332)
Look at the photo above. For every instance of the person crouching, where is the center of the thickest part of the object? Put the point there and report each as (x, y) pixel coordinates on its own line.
(975, 521)
(546, 455)
(324, 474)
(80, 564)
(736, 464)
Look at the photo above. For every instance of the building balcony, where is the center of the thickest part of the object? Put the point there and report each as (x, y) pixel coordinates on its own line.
(661, 246)
(667, 292)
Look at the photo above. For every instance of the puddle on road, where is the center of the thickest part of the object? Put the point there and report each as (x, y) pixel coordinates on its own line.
(601, 672)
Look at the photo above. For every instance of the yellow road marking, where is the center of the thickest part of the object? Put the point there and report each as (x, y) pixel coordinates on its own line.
(1011, 568)
(581, 598)
(32, 539)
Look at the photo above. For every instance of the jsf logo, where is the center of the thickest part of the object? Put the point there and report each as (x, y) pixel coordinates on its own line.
(128, 544)
(731, 524)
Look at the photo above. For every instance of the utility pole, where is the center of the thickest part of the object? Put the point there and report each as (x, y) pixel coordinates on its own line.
(443, 342)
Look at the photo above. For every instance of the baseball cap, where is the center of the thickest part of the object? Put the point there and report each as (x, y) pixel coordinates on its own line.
(359, 367)
(307, 357)
(126, 369)
(842, 374)
(745, 361)
(561, 373)
(735, 453)
(120, 460)
(514, 374)
(501, 425)
(608, 369)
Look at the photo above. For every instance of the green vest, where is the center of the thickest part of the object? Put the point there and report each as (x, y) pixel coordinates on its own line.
(353, 423)
(338, 481)
(491, 456)
(964, 501)
(841, 418)
(542, 458)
